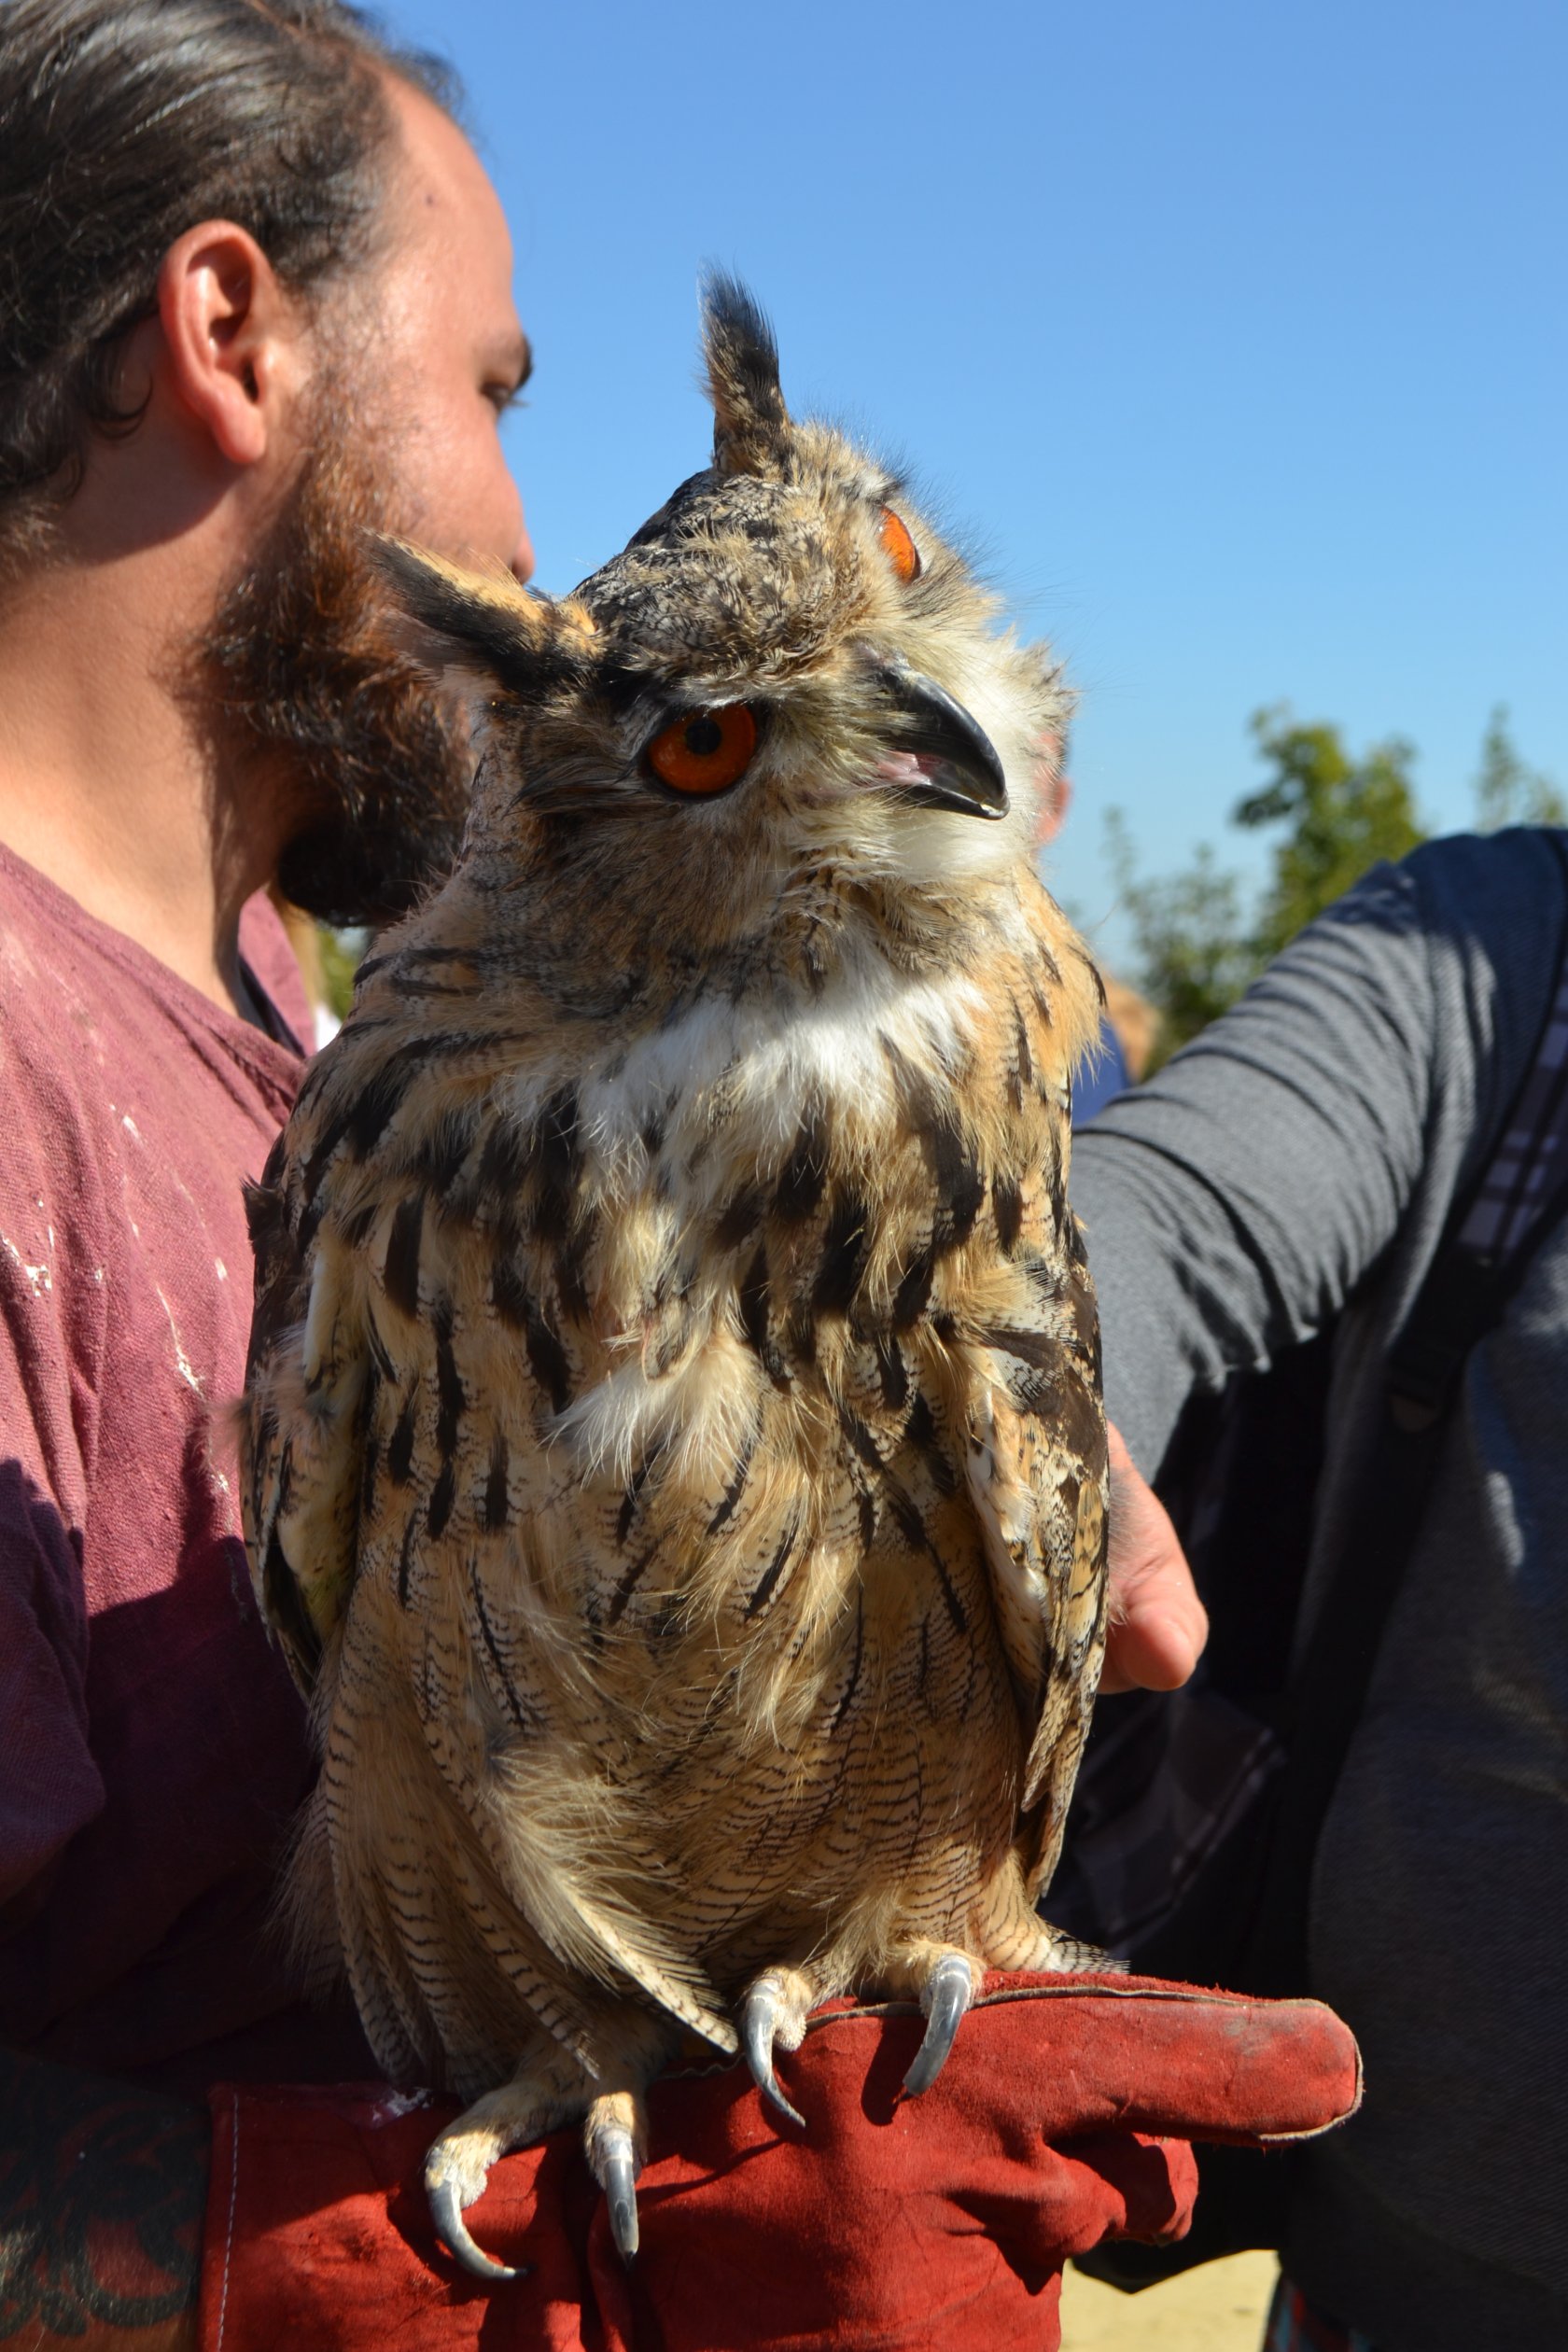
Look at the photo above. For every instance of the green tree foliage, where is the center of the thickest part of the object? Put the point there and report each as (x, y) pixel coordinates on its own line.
(1340, 816)
(1194, 956)
(1507, 791)
(1197, 947)
(342, 952)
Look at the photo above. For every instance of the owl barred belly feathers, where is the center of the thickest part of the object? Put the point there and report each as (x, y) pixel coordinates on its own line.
(673, 1453)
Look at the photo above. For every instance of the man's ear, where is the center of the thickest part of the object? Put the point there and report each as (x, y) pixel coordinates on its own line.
(234, 337)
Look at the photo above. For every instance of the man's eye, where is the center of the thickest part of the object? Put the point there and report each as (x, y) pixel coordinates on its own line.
(505, 397)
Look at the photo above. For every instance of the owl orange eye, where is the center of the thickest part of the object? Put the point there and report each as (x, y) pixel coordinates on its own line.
(707, 751)
(903, 554)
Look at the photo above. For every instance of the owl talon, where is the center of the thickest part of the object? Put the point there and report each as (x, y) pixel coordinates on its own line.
(619, 2174)
(947, 1998)
(758, 2021)
(446, 2212)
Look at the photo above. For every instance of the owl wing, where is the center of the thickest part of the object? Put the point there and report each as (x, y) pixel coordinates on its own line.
(1038, 1475)
(301, 1424)
(382, 1122)
(406, 1360)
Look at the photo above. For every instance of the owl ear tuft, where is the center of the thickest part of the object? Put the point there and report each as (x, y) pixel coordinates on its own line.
(479, 623)
(750, 422)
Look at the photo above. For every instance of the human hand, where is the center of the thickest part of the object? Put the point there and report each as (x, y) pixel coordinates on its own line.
(1158, 1625)
(1063, 2117)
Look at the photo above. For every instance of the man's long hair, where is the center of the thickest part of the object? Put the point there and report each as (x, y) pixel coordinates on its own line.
(124, 122)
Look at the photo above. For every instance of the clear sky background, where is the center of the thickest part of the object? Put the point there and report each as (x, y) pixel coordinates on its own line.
(1231, 332)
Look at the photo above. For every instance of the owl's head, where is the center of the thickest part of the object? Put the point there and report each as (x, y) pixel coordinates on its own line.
(786, 674)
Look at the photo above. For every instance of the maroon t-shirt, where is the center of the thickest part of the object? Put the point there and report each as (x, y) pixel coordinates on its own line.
(152, 1748)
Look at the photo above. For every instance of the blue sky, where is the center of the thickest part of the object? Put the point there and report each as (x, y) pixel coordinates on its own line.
(1231, 334)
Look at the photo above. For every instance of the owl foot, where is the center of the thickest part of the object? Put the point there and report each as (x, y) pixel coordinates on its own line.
(773, 2014)
(950, 1983)
(615, 2136)
(447, 2197)
(544, 2092)
(458, 2165)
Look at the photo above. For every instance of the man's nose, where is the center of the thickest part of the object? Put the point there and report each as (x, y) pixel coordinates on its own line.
(522, 555)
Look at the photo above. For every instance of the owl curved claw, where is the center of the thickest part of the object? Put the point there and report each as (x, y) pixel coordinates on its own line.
(619, 2174)
(947, 1998)
(446, 2212)
(757, 2022)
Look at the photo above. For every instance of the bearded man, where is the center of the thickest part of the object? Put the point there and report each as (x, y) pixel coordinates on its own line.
(254, 299)
(256, 296)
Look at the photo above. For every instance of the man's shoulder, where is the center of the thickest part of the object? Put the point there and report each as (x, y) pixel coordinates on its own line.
(46, 1043)
(91, 1012)
(1495, 911)
(133, 1109)
(1506, 889)
(1447, 961)
(61, 965)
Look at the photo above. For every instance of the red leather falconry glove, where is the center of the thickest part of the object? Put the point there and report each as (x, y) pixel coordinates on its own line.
(1061, 2118)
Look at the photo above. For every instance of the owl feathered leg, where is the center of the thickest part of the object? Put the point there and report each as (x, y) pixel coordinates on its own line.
(778, 2003)
(538, 2098)
(944, 1981)
(615, 2138)
(773, 2015)
(1058, 1954)
(615, 2127)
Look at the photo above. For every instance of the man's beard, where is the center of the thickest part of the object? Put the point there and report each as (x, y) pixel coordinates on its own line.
(301, 681)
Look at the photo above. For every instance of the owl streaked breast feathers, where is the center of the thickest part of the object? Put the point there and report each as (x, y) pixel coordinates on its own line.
(673, 1450)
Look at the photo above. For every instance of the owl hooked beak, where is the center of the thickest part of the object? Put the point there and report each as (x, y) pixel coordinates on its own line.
(941, 756)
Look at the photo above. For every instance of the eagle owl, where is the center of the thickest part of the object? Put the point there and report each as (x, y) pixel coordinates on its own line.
(673, 1453)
